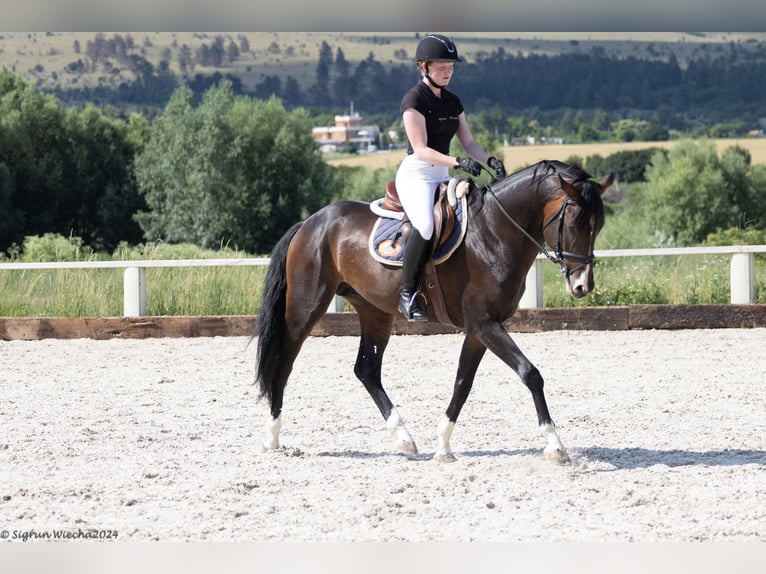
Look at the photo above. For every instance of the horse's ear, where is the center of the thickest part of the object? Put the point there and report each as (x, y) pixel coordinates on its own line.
(569, 189)
(605, 183)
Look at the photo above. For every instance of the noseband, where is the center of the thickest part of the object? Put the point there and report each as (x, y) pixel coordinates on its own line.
(559, 254)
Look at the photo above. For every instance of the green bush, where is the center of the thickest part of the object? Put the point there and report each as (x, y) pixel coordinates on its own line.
(51, 247)
(737, 236)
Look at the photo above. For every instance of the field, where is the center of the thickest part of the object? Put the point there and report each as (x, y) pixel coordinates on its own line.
(42, 57)
(158, 439)
(519, 156)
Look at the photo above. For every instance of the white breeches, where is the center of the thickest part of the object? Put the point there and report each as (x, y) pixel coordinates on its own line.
(416, 183)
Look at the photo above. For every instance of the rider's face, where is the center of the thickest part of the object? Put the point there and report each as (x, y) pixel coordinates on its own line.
(441, 72)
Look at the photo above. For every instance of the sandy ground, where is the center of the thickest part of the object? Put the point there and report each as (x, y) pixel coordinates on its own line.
(158, 439)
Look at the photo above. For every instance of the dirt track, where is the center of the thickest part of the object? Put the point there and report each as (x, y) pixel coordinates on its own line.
(157, 439)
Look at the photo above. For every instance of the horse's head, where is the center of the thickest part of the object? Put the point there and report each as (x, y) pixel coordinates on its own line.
(572, 222)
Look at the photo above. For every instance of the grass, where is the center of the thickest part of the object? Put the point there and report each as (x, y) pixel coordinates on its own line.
(237, 290)
(218, 290)
(99, 292)
(676, 280)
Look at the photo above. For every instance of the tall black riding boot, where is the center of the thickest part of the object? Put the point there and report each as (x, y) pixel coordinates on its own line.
(416, 252)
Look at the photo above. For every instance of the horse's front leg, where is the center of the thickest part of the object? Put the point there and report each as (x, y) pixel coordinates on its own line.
(497, 339)
(470, 356)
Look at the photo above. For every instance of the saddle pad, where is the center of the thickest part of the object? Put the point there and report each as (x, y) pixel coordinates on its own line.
(386, 243)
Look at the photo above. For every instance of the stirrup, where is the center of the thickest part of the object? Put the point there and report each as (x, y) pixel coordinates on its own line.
(408, 306)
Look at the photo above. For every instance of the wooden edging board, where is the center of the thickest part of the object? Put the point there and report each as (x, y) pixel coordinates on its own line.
(339, 324)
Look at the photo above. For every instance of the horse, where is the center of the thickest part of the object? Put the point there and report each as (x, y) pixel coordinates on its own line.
(511, 221)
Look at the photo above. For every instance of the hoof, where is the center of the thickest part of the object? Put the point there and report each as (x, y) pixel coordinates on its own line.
(408, 449)
(557, 456)
(449, 457)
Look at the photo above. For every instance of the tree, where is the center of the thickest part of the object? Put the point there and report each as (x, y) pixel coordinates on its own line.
(33, 148)
(342, 87)
(63, 171)
(11, 219)
(686, 196)
(321, 90)
(586, 133)
(230, 169)
(185, 60)
(628, 165)
(102, 188)
(244, 44)
(745, 187)
(232, 52)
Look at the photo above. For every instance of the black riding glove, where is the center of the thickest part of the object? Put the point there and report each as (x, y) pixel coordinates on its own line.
(469, 165)
(497, 165)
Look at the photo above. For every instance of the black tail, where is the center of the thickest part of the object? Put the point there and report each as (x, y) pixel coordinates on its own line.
(270, 326)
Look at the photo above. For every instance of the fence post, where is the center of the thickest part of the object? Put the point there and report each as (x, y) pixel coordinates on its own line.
(533, 292)
(134, 292)
(742, 278)
(336, 305)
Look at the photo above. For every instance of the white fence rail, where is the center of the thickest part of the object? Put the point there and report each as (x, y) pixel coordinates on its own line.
(742, 272)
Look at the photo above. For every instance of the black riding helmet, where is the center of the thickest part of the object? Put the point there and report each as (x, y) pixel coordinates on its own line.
(436, 48)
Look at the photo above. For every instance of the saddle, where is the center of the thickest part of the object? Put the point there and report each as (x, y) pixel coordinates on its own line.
(392, 228)
(444, 213)
(388, 238)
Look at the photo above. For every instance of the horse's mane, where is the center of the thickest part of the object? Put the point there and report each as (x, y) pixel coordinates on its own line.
(572, 172)
(540, 172)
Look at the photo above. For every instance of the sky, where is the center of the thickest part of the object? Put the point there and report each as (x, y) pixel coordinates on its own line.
(389, 15)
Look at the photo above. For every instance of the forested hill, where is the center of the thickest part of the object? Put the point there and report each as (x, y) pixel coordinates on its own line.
(713, 83)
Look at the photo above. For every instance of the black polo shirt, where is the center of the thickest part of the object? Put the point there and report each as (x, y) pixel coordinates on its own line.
(441, 114)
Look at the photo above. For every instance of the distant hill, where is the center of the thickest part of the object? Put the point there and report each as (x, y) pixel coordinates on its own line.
(62, 60)
(678, 80)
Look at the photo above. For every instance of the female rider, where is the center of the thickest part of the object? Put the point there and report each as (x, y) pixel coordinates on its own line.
(432, 116)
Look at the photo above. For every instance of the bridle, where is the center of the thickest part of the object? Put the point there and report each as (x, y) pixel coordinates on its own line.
(559, 255)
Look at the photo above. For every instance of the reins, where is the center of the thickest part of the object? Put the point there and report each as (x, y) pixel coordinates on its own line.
(559, 255)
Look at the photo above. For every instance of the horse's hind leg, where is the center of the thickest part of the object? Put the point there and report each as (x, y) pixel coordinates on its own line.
(376, 332)
(286, 319)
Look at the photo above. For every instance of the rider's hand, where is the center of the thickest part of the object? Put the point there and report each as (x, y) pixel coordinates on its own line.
(469, 165)
(497, 165)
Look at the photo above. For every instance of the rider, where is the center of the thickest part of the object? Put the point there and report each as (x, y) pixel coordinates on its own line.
(432, 115)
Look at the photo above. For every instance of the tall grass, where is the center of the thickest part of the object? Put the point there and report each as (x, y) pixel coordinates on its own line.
(99, 292)
(682, 280)
(237, 290)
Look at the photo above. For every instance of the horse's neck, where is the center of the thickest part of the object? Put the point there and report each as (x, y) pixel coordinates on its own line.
(526, 204)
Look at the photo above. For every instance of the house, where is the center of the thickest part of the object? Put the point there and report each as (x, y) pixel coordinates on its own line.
(348, 129)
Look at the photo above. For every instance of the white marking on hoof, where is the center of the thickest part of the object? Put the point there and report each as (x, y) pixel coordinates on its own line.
(271, 440)
(443, 434)
(554, 451)
(445, 458)
(557, 456)
(404, 442)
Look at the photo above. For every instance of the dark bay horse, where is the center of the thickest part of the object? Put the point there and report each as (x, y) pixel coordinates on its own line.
(511, 220)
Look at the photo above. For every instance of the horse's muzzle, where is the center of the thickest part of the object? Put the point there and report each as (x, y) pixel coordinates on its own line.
(581, 282)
